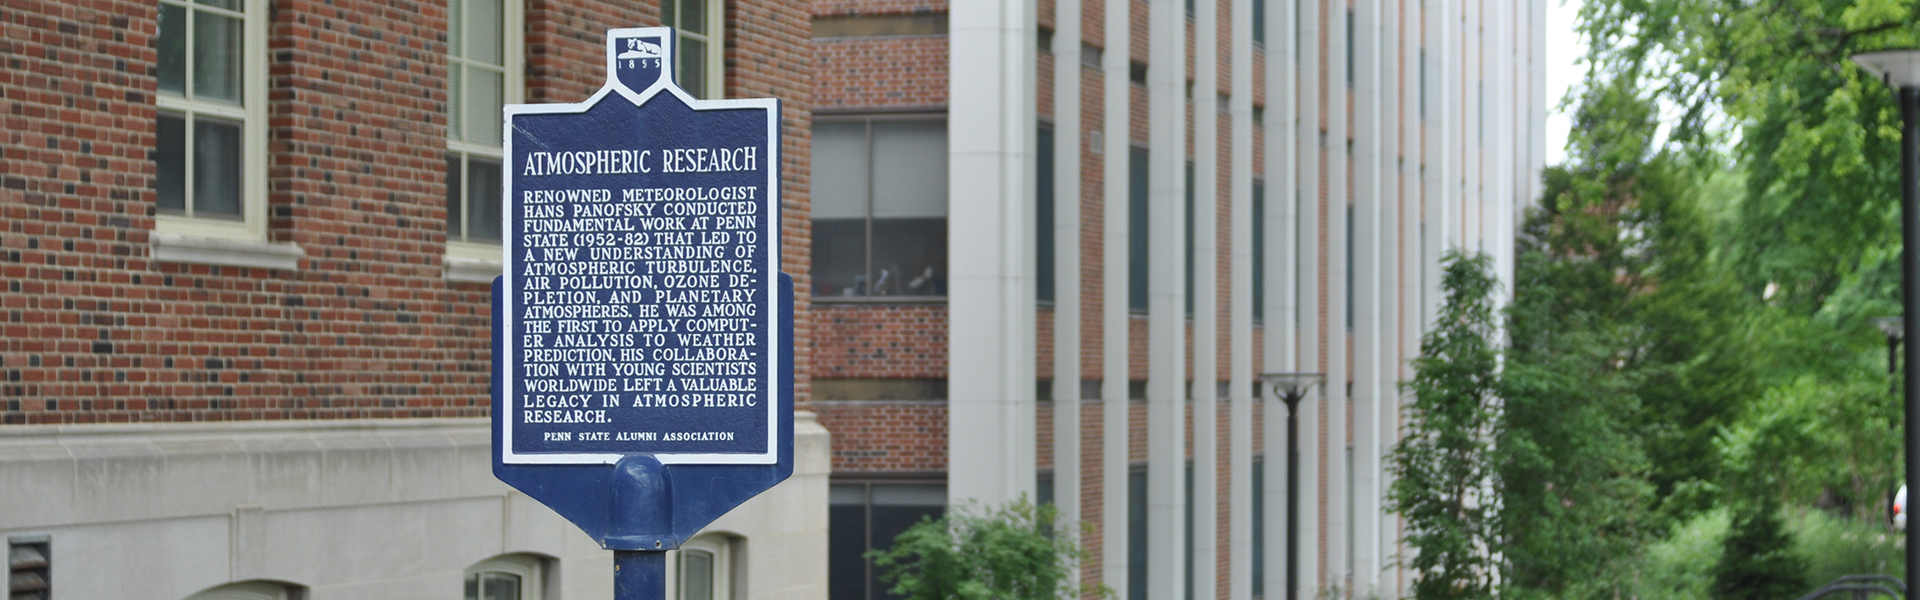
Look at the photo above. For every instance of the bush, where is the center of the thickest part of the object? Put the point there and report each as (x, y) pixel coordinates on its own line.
(1015, 552)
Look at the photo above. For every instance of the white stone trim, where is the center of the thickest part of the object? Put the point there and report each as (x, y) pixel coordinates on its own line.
(472, 270)
(169, 247)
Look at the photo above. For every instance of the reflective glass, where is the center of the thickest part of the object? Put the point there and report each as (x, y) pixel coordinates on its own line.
(482, 107)
(171, 154)
(226, 4)
(456, 101)
(216, 168)
(483, 200)
(454, 176)
(483, 32)
(499, 586)
(839, 170)
(216, 56)
(692, 74)
(696, 575)
(172, 47)
(693, 16)
(910, 169)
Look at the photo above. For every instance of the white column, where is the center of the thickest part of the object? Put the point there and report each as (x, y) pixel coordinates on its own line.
(1116, 111)
(1472, 134)
(1206, 347)
(1503, 113)
(1311, 201)
(1366, 244)
(1410, 266)
(1287, 139)
(1240, 307)
(1339, 518)
(1166, 315)
(990, 249)
(1066, 266)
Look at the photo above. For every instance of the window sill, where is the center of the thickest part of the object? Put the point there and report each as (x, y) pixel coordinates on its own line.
(473, 270)
(879, 300)
(232, 253)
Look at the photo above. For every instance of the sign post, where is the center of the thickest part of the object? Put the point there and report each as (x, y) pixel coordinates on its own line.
(643, 354)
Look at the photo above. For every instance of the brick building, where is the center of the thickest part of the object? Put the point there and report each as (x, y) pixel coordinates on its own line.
(246, 250)
(246, 247)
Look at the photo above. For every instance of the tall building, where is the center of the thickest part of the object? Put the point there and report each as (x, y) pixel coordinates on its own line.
(246, 245)
(1140, 207)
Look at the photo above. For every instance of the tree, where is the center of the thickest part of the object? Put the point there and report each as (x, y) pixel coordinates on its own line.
(1445, 480)
(1758, 563)
(1014, 552)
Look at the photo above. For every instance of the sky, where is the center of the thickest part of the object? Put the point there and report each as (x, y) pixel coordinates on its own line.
(1564, 48)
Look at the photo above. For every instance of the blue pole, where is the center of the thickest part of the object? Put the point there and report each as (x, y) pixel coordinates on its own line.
(639, 575)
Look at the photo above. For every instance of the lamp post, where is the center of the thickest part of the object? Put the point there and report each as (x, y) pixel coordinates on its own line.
(1900, 70)
(1895, 330)
(1291, 388)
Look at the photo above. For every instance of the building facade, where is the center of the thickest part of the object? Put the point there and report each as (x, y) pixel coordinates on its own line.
(1146, 205)
(246, 252)
(246, 246)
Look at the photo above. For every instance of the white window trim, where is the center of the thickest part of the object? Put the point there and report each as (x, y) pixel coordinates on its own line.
(532, 582)
(246, 590)
(253, 116)
(721, 546)
(481, 262)
(716, 50)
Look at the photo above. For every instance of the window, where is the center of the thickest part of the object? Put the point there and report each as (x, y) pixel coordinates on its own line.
(1260, 22)
(211, 134)
(1259, 522)
(1137, 534)
(868, 516)
(880, 207)
(506, 577)
(30, 567)
(483, 74)
(702, 568)
(246, 590)
(1137, 230)
(701, 63)
(1043, 217)
(1259, 251)
(1188, 299)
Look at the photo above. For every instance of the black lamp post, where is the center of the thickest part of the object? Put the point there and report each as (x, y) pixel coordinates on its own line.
(1900, 70)
(1895, 329)
(1291, 388)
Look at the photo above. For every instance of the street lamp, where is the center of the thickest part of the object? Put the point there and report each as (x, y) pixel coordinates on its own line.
(1291, 388)
(1900, 70)
(1895, 330)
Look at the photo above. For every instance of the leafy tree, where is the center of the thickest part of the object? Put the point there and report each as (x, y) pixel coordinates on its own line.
(1759, 563)
(1445, 478)
(1014, 552)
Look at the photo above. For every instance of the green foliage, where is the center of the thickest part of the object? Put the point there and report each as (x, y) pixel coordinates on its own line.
(1833, 546)
(1677, 566)
(1818, 442)
(1444, 470)
(1015, 552)
(1758, 562)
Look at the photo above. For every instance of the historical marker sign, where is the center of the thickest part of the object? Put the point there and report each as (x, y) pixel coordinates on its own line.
(642, 273)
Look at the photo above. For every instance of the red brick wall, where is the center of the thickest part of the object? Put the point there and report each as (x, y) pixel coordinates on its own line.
(367, 326)
(886, 436)
(897, 341)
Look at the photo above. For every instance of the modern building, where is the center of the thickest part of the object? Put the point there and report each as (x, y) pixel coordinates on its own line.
(246, 243)
(1144, 206)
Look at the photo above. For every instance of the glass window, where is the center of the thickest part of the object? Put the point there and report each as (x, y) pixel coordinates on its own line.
(507, 577)
(211, 123)
(1137, 534)
(1137, 230)
(700, 67)
(1188, 299)
(702, 568)
(1259, 251)
(880, 207)
(1260, 22)
(868, 516)
(482, 42)
(1043, 217)
(1259, 523)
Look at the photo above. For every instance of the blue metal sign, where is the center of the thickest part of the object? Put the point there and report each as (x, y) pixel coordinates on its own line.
(643, 362)
(640, 232)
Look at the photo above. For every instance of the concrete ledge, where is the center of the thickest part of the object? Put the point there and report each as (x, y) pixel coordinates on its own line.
(473, 270)
(234, 253)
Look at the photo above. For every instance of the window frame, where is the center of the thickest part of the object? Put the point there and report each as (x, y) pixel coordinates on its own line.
(869, 120)
(252, 116)
(716, 53)
(719, 545)
(513, 58)
(527, 567)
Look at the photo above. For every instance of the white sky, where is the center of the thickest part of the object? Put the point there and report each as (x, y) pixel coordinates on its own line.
(1564, 49)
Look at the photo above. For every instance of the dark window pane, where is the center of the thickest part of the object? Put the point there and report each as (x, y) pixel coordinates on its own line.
(172, 42)
(455, 231)
(1043, 220)
(483, 200)
(473, 587)
(839, 257)
(1259, 21)
(696, 575)
(847, 542)
(1259, 251)
(1190, 531)
(1189, 245)
(909, 257)
(669, 13)
(1137, 229)
(171, 156)
(216, 168)
(500, 586)
(1259, 518)
(216, 56)
(693, 16)
(226, 4)
(888, 523)
(693, 67)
